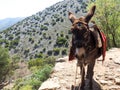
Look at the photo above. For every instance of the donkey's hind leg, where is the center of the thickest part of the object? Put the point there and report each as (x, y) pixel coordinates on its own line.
(90, 73)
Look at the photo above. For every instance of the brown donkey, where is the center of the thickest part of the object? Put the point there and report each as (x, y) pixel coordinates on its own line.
(87, 44)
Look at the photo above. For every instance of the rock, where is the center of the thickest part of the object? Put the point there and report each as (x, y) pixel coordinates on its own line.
(114, 87)
(104, 82)
(62, 59)
(117, 61)
(58, 67)
(117, 81)
(49, 85)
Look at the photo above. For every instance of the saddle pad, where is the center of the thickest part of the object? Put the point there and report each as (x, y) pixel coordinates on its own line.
(104, 44)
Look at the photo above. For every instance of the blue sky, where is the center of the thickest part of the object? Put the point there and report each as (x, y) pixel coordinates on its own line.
(23, 8)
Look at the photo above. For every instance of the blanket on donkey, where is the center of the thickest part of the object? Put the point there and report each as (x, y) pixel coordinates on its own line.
(104, 44)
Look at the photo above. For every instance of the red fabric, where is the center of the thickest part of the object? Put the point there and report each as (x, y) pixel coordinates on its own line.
(104, 42)
(72, 53)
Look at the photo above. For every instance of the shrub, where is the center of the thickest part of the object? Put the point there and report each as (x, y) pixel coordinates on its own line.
(42, 27)
(0, 36)
(30, 39)
(49, 52)
(26, 87)
(61, 41)
(64, 52)
(26, 51)
(53, 22)
(10, 37)
(56, 51)
(46, 23)
(50, 61)
(40, 76)
(44, 49)
(36, 46)
(40, 55)
(37, 62)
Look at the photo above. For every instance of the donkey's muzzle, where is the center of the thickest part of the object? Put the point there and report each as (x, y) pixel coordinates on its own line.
(80, 53)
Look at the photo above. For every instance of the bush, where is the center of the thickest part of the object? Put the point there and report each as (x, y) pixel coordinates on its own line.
(41, 68)
(26, 51)
(26, 87)
(46, 23)
(42, 27)
(11, 37)
(50, 61)
(53, 22)
(40, 76)
(49, 52)
(64, 52)
(56, 51)
(36, 46)
(61, 41)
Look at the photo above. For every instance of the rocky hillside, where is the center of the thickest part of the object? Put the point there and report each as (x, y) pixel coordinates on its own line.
(46, 32)
(106, 75)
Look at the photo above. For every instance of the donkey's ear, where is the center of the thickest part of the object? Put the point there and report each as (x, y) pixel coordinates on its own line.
(90, 14)
(71, 17)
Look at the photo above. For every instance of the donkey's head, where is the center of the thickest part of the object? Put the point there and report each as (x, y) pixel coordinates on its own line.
(80, 29)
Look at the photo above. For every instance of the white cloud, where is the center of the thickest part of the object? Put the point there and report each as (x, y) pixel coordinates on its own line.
(22, 8)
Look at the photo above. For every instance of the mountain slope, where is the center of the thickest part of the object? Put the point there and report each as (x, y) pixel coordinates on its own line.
(5, 23)
(46, 32)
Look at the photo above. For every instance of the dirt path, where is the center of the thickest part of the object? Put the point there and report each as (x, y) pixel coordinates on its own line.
(106, 76)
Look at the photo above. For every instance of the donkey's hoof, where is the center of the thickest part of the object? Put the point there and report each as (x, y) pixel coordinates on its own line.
(82, 88)
(90, 87)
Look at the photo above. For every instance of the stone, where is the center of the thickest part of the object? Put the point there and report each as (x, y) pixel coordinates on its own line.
(114, 87)
(104, 82)
(117, 81)
(51, 84)
(117, 61)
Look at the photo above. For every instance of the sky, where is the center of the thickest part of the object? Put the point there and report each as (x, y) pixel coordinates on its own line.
(23, 8)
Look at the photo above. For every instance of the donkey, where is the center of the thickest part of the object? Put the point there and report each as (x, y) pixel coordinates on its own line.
(86, 44)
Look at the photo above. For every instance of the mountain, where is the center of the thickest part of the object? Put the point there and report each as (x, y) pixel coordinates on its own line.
(7, 22)
(46, 32)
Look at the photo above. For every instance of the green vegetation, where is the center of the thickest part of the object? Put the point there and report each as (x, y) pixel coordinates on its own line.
(56, 51)
(41, 69)
(64, 51)
(108, 18)
(42, 27)
(61, 41)
(53, 22)
(4, 66)
(7, 66)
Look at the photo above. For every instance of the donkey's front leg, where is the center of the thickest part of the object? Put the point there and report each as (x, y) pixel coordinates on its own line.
(82, 67)
(90, 73)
